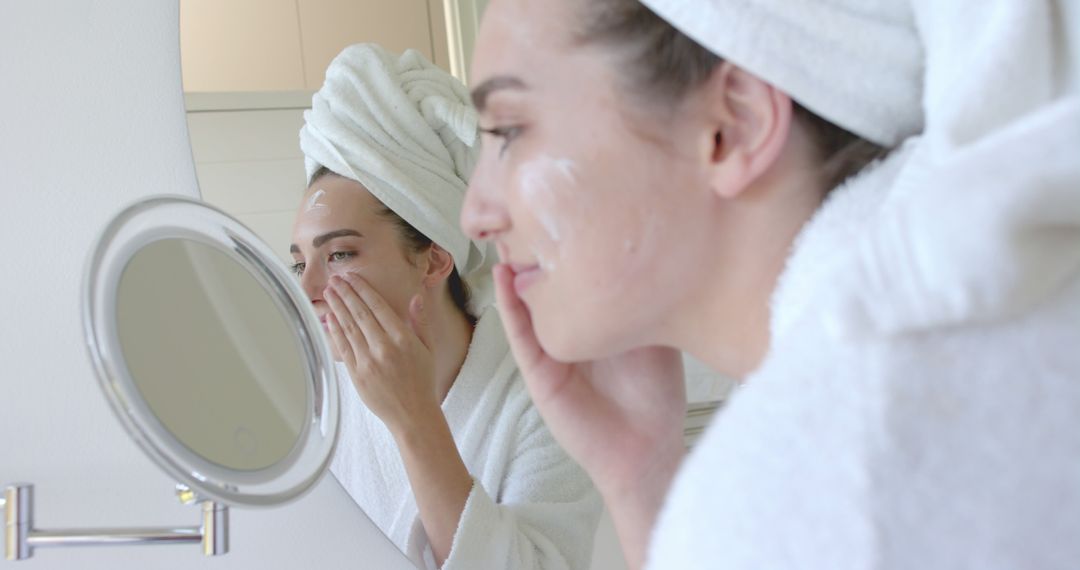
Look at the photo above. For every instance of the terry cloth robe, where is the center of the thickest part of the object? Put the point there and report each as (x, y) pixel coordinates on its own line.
(919, 407)
(531, 506)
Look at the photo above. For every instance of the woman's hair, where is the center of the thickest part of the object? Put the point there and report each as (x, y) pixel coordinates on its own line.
(664, 65)
(416, 242)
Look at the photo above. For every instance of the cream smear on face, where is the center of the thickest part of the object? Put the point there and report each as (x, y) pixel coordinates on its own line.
(314, 207)
(542, 181)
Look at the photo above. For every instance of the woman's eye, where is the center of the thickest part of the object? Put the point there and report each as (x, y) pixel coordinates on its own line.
(507, 134)
(297, 268)
(342, 255)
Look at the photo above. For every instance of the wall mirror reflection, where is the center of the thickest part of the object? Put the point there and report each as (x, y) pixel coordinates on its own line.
(250, 72)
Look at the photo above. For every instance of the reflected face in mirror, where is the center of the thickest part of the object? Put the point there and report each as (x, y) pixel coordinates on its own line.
(340, 227)
(589, 191)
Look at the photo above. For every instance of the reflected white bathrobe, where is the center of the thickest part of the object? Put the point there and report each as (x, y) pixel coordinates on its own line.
(920, 404)
(531, 506)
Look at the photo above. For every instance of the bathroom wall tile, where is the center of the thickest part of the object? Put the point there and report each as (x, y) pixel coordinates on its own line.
(223, 136)
(252, 186)
(275, 228)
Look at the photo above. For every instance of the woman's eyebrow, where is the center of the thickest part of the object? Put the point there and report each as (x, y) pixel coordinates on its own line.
(484, 90)
(321, 239)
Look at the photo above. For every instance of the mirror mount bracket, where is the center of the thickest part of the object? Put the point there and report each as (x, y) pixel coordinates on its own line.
(21, 538)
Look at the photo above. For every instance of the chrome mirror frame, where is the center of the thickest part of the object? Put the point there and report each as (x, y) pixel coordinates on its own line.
(200, 481)
(165, 217)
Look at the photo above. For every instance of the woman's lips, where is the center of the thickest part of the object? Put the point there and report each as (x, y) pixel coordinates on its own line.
(526, 276)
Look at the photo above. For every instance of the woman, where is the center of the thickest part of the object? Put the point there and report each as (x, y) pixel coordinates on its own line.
(440, 444)
(746, 181)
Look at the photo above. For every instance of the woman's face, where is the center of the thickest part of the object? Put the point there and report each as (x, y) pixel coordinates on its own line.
(339, 229)
(592, 198)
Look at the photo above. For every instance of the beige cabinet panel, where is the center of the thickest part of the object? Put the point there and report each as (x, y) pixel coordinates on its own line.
(328, 26)
(241, 45)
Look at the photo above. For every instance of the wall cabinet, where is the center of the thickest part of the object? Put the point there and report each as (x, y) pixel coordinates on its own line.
(285, 45)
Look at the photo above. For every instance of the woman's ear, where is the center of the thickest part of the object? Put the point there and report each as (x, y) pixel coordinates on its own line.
(439, 266)
(750, 121)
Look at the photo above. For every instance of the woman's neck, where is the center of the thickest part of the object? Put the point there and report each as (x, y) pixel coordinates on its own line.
(727, 323)
(451, 334)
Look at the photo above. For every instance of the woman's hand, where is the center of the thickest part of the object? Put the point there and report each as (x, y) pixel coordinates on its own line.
(392, 368)
(621, 418)
(390, 362)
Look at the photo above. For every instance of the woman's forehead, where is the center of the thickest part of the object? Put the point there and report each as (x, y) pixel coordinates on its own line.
(331, 203)
(520, 36)
(337, 191)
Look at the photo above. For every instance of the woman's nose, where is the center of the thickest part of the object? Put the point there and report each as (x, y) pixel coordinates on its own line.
(313, 281)
(483, 216)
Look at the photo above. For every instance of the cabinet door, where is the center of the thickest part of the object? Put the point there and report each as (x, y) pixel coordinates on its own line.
(241, 45)
(328, 26)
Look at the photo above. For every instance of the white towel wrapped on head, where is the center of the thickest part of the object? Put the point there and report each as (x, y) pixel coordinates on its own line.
(856, 63)
(406, 130)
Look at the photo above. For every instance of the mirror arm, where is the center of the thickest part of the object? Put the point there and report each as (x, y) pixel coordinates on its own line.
(21, 538)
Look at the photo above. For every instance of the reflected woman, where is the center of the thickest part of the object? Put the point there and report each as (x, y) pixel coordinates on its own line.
(440, 443)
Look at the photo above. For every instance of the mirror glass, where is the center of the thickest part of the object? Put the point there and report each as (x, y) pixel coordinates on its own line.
(211, 354)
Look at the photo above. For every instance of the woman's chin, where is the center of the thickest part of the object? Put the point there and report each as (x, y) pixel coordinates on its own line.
(566, 342)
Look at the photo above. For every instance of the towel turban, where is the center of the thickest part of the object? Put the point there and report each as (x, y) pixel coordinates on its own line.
(406, 131)
(856, 63)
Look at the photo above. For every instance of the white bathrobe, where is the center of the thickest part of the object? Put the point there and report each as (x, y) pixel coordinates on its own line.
(919, 407)
(530, 507)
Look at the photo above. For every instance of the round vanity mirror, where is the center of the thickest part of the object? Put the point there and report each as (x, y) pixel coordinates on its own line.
(210, 353)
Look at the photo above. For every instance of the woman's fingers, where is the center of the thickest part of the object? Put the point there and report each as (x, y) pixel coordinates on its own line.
(350, 302)
(388, 320)
(352, 330)
(516, 319)
(342, 345)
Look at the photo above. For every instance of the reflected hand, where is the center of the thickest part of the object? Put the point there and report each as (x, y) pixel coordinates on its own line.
(389, 361)
(393, 370)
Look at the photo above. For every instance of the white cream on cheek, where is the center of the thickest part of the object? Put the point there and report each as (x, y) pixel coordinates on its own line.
(567, 216)
(545, 183)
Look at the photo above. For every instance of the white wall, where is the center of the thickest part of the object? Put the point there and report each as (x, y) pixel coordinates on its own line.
(93, 119)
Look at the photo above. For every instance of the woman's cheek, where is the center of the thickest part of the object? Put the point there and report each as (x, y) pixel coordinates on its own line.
(548, 190)
(354, 265)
